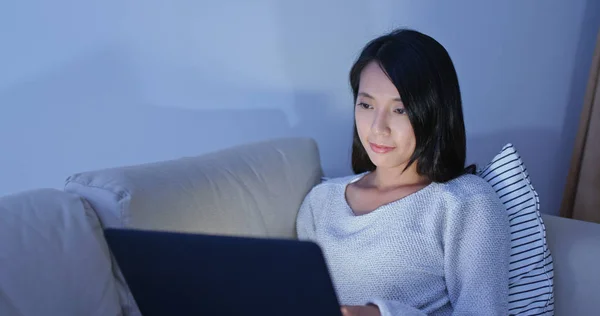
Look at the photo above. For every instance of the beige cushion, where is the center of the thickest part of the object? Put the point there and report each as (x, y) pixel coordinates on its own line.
(253, 189)
(53, 257)
(575, 247)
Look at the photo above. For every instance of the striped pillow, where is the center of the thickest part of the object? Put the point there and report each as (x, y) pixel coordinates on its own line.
(530, 270)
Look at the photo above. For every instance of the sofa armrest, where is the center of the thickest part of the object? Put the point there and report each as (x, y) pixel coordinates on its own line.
(53, 257)
(575, 248)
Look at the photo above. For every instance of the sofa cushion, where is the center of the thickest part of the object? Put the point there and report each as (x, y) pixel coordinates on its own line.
(53, 257)
(530, 268)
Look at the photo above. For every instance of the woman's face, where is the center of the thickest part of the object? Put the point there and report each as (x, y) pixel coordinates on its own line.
(381, 120)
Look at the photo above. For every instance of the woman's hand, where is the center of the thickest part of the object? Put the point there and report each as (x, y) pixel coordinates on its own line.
(369, 310)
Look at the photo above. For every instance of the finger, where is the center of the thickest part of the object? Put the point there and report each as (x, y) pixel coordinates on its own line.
(344, 310)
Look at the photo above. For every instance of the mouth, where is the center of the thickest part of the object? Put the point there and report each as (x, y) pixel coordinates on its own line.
(380, 149)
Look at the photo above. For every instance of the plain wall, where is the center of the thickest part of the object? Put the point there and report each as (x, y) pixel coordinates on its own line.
(89, 85)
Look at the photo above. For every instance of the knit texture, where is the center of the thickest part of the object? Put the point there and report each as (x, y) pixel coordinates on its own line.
(442, 250)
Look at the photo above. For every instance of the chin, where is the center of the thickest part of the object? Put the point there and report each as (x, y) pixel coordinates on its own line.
(380, 162)
(385, 162)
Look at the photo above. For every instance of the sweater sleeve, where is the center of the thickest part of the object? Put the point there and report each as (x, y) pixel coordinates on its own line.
(305, 223)
(477, 251)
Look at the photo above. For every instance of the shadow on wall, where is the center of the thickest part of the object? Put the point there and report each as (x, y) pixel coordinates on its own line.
(45, 120)
(145, 101)
(331, 130)
(90, 115)
(318, 57)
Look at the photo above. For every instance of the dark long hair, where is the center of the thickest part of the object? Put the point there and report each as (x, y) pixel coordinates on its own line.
(424, 75)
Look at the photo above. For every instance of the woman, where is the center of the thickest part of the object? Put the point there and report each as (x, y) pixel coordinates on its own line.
(414, 232)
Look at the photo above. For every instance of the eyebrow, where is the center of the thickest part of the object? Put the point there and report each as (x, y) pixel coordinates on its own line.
(366, 95)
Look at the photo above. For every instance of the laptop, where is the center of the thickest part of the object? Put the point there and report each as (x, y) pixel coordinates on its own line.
(172, 273)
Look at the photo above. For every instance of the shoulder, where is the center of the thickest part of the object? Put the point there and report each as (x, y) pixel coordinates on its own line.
(329, 189)
(468, 186)
(471, 192)
(473, 208)
(342, 180)
(332, 184)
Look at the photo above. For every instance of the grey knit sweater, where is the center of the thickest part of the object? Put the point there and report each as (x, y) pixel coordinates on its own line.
(443, 250)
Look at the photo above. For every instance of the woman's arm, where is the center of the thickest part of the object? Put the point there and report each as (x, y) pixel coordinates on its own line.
(305, 223)
(477, 251)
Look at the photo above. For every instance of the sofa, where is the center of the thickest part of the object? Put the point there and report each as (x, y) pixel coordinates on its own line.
(55, 261)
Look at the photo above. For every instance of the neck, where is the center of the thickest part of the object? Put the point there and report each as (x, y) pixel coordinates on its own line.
(385, 178)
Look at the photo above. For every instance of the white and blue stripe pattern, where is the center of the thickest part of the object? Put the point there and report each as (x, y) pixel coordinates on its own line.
(530, 270)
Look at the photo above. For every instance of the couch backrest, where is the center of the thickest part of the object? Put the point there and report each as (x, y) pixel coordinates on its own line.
(251, 190)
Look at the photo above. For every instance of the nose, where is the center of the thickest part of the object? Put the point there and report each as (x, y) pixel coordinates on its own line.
(380, 125)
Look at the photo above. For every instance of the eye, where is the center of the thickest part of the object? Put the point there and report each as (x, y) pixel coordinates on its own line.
(400, 111)
(364, 105)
